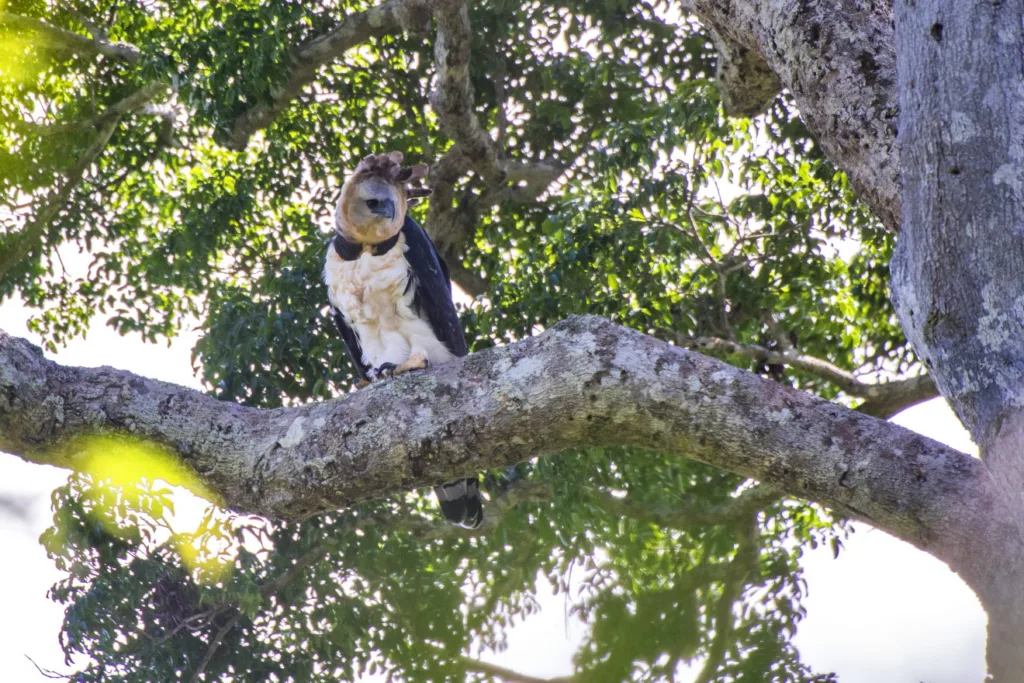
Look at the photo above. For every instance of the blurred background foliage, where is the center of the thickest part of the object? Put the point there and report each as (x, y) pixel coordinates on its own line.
(667, 217)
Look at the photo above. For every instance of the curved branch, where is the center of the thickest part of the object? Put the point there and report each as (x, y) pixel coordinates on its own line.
(452, 96)
(356, 29)
(503, 674)
(880, 400)
(212, 648)
(583, 382)
(69, 40)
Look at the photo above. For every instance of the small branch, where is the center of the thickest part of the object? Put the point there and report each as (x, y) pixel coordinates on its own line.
(778, 334)
(501, 122)
(32, 234)
(452, 223)
(69, 40)
(107, 122)
(187, 623)
(880, 400)
(503, 674)
(138, 99)
(527, 181)
(885, 400)
(742, 506)
(309, 57)
(212, 649)
(94, 30)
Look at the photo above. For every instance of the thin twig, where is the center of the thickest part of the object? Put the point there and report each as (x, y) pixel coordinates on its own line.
(32, 234)
(880, 400)
(212, 649)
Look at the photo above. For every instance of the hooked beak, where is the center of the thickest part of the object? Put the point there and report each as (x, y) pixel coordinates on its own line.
(381, 207)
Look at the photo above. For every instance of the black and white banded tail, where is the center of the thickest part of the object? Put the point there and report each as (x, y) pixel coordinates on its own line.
(460, 502)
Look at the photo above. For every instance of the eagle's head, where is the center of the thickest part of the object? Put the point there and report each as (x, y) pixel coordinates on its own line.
(375, 197)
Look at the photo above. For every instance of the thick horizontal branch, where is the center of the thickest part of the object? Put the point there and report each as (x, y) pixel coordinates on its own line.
(356, 29)
(838, 59)
(55, 37)
(880, 400)
(583, 382)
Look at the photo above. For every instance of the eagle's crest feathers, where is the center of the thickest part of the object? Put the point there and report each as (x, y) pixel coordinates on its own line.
(389, 167)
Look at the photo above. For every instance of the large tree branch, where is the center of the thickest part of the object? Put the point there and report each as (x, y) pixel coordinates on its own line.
(453, 220)
(583, 382)
(838, 59)
(55, 37)
(356, 29)
(880, 400)
(452, 96)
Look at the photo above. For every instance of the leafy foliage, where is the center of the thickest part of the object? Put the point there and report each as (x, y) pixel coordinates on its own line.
(670, 219)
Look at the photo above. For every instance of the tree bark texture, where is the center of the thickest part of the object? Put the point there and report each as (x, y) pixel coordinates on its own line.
(957, 273)
(838, 59)
(959, 266)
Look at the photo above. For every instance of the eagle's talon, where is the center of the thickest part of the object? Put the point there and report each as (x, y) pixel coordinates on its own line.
(384, 371)
(417, 361)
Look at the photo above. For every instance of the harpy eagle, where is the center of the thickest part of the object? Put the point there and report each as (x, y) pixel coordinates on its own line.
(390, 293)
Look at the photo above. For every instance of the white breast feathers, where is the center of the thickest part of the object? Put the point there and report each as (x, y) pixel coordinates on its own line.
(374, 296)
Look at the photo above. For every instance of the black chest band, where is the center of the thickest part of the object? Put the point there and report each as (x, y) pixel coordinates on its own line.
(350, 251)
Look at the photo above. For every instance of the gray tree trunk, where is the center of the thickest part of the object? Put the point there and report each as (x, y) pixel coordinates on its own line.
(958, 273)
(952, 74)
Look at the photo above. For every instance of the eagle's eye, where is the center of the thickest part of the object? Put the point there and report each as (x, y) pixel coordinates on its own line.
(373, 203)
